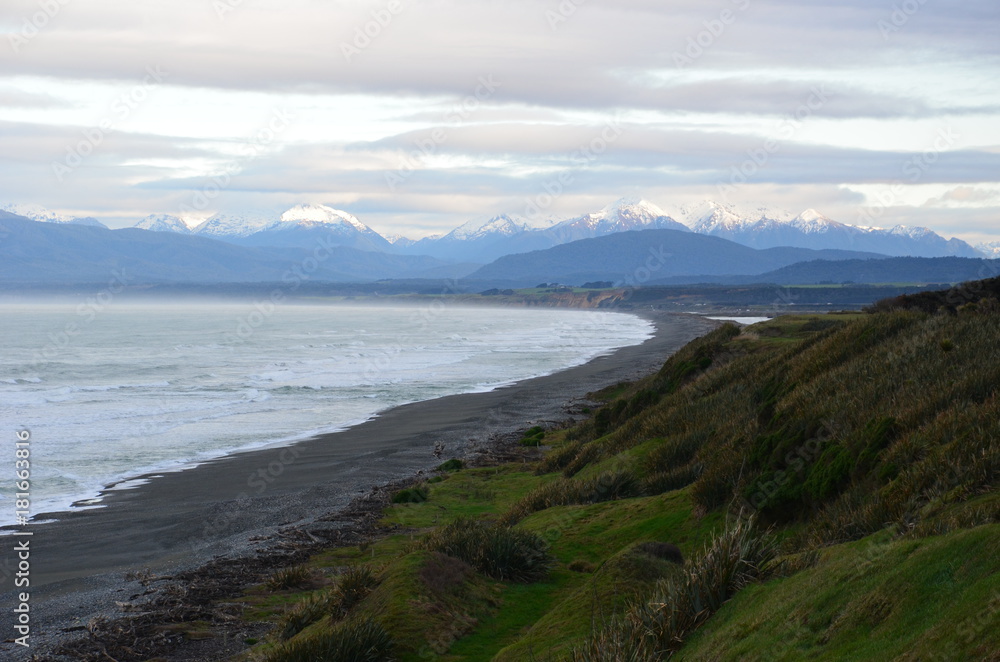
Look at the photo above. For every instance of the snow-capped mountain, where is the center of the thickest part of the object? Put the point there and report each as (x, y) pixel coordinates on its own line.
(399, 241)
(225, 226)
(43, 215)
(620, 216)
(487, 227)
(321, 215)
(766, 228)
(310, 226)
(163, 223)
(484, 239)
(35, 213)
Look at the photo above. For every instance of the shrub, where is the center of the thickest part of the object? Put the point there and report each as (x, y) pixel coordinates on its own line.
(415, 494)
(533, 436)
(362, 641)
(451, 465)
(495, 550)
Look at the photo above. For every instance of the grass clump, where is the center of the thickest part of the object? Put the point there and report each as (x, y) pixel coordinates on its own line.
(362, 641)
(304, 614)
(352, 587)
(495, 550)
(295, 577)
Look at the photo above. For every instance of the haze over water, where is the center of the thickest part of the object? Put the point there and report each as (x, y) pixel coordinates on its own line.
(141, 388)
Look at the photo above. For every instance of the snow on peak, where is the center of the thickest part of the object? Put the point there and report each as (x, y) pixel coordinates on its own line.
(240, 224)
(495, 226)
(620, 216)
(708, 215)
(630, 207)
(163, 223)
(399, 240)
(811, 216)
(35, 213)
(322, 214)
(915, 232)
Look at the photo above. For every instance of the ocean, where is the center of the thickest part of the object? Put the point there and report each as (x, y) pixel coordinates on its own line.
(116, 391)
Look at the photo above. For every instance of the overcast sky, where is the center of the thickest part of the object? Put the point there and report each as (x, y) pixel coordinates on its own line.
(419, 115)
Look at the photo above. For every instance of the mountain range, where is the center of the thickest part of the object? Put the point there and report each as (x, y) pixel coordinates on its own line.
(628, 242)
(487, 238)
(32, 252)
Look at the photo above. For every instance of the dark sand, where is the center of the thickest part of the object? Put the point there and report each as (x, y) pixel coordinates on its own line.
(182, 519)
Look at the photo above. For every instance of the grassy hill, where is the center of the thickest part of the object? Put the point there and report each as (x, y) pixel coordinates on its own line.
(830, 481)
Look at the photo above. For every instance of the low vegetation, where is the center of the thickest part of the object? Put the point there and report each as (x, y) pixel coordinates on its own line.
(497, 551)
(812, 487)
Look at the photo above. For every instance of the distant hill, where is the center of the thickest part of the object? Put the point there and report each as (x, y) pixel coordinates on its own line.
(32, 252)
(883, 270)
(636, 258)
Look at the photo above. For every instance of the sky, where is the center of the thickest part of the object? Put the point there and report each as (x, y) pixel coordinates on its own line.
(417, 116)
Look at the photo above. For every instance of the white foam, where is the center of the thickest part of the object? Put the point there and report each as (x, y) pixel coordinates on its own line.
(139, 391)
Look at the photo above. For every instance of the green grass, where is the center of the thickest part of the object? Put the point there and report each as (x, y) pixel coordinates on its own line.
(875, 599)
(467, 493)
(876, 438)
(547, 615)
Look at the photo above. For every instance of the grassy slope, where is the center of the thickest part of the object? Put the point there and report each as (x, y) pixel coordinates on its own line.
(876, 599)
(869, 442)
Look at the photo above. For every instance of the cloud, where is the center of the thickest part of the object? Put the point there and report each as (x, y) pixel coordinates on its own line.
(965, 196)
(15, 98)
(562, 72)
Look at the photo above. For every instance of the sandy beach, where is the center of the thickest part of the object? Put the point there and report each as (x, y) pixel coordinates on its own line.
(231, 506)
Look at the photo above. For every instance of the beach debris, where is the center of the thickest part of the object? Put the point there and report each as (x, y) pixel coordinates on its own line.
(144, 576)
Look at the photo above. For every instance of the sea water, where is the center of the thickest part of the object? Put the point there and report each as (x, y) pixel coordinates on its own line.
(115, 392)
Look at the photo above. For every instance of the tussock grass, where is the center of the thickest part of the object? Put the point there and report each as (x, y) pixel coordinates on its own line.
(352, 586)
(653, 629)
(495, 550)
(295, 577)
(362, 641)
(607, 486)
(305, 613)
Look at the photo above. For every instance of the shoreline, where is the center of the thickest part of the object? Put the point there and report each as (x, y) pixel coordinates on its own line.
(53, 509)
(238, 505)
